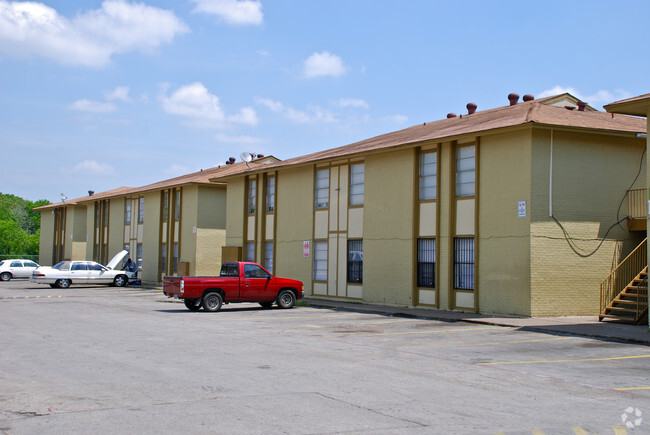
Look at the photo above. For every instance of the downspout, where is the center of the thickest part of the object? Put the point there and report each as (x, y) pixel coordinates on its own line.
(550, 180)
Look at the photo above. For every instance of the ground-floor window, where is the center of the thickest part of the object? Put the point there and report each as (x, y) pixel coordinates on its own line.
(268, 256)
(355, 261)
(250, 251)
(175, 258)
(464, 263)
(320, 261)
(163, 258)
(427, 263)
(139, 255)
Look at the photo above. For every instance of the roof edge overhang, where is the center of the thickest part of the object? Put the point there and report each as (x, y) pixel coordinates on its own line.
(636, 106)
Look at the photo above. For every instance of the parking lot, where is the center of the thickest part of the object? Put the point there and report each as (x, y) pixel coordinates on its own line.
(103, 359)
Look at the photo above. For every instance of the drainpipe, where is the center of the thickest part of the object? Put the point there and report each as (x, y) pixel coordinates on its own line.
(550, 180)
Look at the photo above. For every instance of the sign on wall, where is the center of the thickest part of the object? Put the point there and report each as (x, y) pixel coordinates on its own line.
(521, 209)
(305, 248)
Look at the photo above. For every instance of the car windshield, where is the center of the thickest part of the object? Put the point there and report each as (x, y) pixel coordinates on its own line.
(64, 265)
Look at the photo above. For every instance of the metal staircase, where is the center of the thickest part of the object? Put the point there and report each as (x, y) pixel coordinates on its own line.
(624, 293)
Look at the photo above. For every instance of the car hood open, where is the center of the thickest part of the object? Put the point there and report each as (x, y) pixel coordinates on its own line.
(117, 259)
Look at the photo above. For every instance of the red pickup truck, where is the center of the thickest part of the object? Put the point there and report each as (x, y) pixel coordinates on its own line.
(237, 282)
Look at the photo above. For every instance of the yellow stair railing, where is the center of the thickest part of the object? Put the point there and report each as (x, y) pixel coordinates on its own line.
(624, 273)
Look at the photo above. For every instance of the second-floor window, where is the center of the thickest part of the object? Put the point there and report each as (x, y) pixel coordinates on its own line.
(270, 194)
(466, 171)
(141, 211)
(127, 211)
(165, 206)
(252, 195)
(322, 189)
(177, 205)
(357, 175)
(428, 173)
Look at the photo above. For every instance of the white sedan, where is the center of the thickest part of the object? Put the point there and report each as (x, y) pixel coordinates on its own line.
(16, 269)
(66, 273)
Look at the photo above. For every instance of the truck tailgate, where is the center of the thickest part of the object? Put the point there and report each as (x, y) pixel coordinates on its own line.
(172, 286)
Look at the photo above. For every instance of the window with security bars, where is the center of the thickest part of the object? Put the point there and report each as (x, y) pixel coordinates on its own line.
(355, 261)
(428, 174)
(320, 261)
(268, 256)
(464, 263)
(322, 191)
(466, 171)
(357, 175)
(427, 263)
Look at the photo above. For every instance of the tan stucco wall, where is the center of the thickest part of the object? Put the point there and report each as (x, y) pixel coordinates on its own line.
(388, 248)
(235, 211)
(591, 174)
(46, 238)
(504, 238)
(294, 224)
(208, 251)
(150, 240)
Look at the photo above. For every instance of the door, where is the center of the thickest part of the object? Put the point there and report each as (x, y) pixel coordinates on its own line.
(79, 272)
(255, 285)
(98, 274)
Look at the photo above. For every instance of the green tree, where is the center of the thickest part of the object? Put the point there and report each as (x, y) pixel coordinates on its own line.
(19, 225)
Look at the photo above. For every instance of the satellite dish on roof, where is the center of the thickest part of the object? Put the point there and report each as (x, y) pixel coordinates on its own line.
(247, 157)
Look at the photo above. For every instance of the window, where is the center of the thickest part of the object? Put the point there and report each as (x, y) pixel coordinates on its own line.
(175, 258)
(141, 211)
(252, 194)
(163, 257)
(30, 264)
(268, 256)
(270, 194)
(165, 206)
(427, 263)
(254, 271)
(229, 269)
(250, 251)
(464, 263)
(177, 205)
(322, 193)
(139, 253)
(105, 211)
(320, 261)
(355, 261)
(16, 264)
(465, 170)
(357, 175)
(428, 175)
(127, 211)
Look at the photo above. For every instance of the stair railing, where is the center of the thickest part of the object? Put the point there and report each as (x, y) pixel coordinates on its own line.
(624, 273)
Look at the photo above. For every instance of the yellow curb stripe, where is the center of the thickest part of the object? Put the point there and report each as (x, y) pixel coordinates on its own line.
(565, 360)
(579, 431)
(632, 388)
(496, 343)
(426, 332)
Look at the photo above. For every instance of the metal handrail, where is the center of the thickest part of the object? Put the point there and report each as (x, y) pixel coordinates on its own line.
(624, 273)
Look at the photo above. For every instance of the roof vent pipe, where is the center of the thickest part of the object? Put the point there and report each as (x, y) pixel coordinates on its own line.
(581, 106)
(529, 97)
(451, 115)
(471, 108)
(91, 192)
(513, 98)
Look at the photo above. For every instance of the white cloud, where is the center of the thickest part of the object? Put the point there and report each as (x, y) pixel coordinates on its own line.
(90, 38)
(396, 119)
(323, 64)
(197, 104)
(598, 99)
(120, 93)
(313, 114)
(92, 167)
(232, 11)
(93, 106)
(353, 102)
(274, 106)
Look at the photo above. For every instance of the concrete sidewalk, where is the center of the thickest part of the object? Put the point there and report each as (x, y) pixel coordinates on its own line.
(588, 326)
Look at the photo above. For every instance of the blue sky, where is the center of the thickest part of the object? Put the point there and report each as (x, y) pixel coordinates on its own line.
(96, 95)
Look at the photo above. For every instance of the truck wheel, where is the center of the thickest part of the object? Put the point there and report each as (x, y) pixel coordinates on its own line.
(191, 305)
(286, 299)
(212, 302)
(266, 304)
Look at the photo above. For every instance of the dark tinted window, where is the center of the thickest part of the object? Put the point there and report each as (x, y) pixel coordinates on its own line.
(230, 270)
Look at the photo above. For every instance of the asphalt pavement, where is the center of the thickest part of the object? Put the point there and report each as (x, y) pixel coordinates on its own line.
(587, 326)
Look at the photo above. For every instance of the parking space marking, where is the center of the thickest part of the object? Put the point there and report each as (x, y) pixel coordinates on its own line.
(565, 360)
(31, 297)
(496, 343)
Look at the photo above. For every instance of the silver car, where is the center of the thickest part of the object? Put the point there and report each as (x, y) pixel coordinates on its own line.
(16, 268)
(66, 273)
